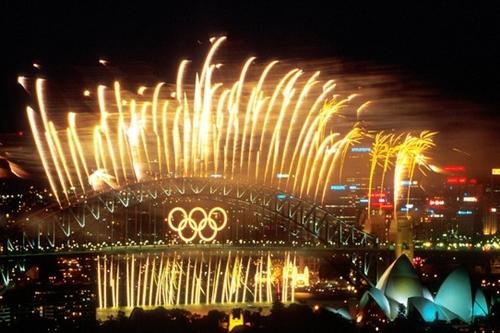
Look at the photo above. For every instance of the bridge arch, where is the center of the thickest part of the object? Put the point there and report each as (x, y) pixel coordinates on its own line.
(136, 214)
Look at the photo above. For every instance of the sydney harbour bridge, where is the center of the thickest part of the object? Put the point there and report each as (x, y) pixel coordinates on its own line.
(220, 185)
(191, 228)
(236, 234)
(138, 214)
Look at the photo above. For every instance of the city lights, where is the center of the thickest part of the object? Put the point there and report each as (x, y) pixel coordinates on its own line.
(163, 179)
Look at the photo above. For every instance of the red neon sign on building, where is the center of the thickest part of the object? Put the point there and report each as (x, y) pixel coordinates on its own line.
(456, 180)
(379, 200)
(454, 168)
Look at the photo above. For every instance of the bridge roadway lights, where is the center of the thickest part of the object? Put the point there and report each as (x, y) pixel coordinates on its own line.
(129, 249)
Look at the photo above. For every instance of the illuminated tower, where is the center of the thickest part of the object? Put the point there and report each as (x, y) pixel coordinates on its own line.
(403, 236)
(235, 319)
(301, 279)
(490, 221)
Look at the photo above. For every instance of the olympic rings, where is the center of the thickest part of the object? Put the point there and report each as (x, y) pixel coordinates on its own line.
(188, 222)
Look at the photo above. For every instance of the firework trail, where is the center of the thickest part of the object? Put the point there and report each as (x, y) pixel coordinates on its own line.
(243, 130)
(278, 130)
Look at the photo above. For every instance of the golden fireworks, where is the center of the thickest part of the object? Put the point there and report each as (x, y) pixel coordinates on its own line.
(246, 130)
(405, 152)
(277, 132)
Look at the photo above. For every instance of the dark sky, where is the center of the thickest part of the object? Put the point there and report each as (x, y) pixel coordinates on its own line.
(451, 46)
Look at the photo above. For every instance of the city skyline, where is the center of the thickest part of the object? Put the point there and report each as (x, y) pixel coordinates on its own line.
(228, 165)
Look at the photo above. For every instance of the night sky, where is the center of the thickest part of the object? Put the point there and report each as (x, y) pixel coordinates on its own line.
(451, 49)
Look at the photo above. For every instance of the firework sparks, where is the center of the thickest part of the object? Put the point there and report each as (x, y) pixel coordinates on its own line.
(162, 279)
(406, 152)
(250, 130)
(211, 129)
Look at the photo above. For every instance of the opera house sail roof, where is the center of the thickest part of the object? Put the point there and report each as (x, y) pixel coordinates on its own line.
(400, 288)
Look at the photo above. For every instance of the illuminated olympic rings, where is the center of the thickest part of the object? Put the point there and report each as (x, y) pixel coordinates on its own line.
(188, 222)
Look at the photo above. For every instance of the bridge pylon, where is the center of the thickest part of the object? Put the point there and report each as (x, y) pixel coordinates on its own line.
(401, 232)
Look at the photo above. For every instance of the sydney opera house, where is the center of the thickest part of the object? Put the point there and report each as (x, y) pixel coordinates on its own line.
(399, 292)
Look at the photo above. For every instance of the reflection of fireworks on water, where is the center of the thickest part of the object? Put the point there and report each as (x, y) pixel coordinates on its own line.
(154, 280)
(274, 132)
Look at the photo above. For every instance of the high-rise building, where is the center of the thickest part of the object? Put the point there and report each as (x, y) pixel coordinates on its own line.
(453, 206)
